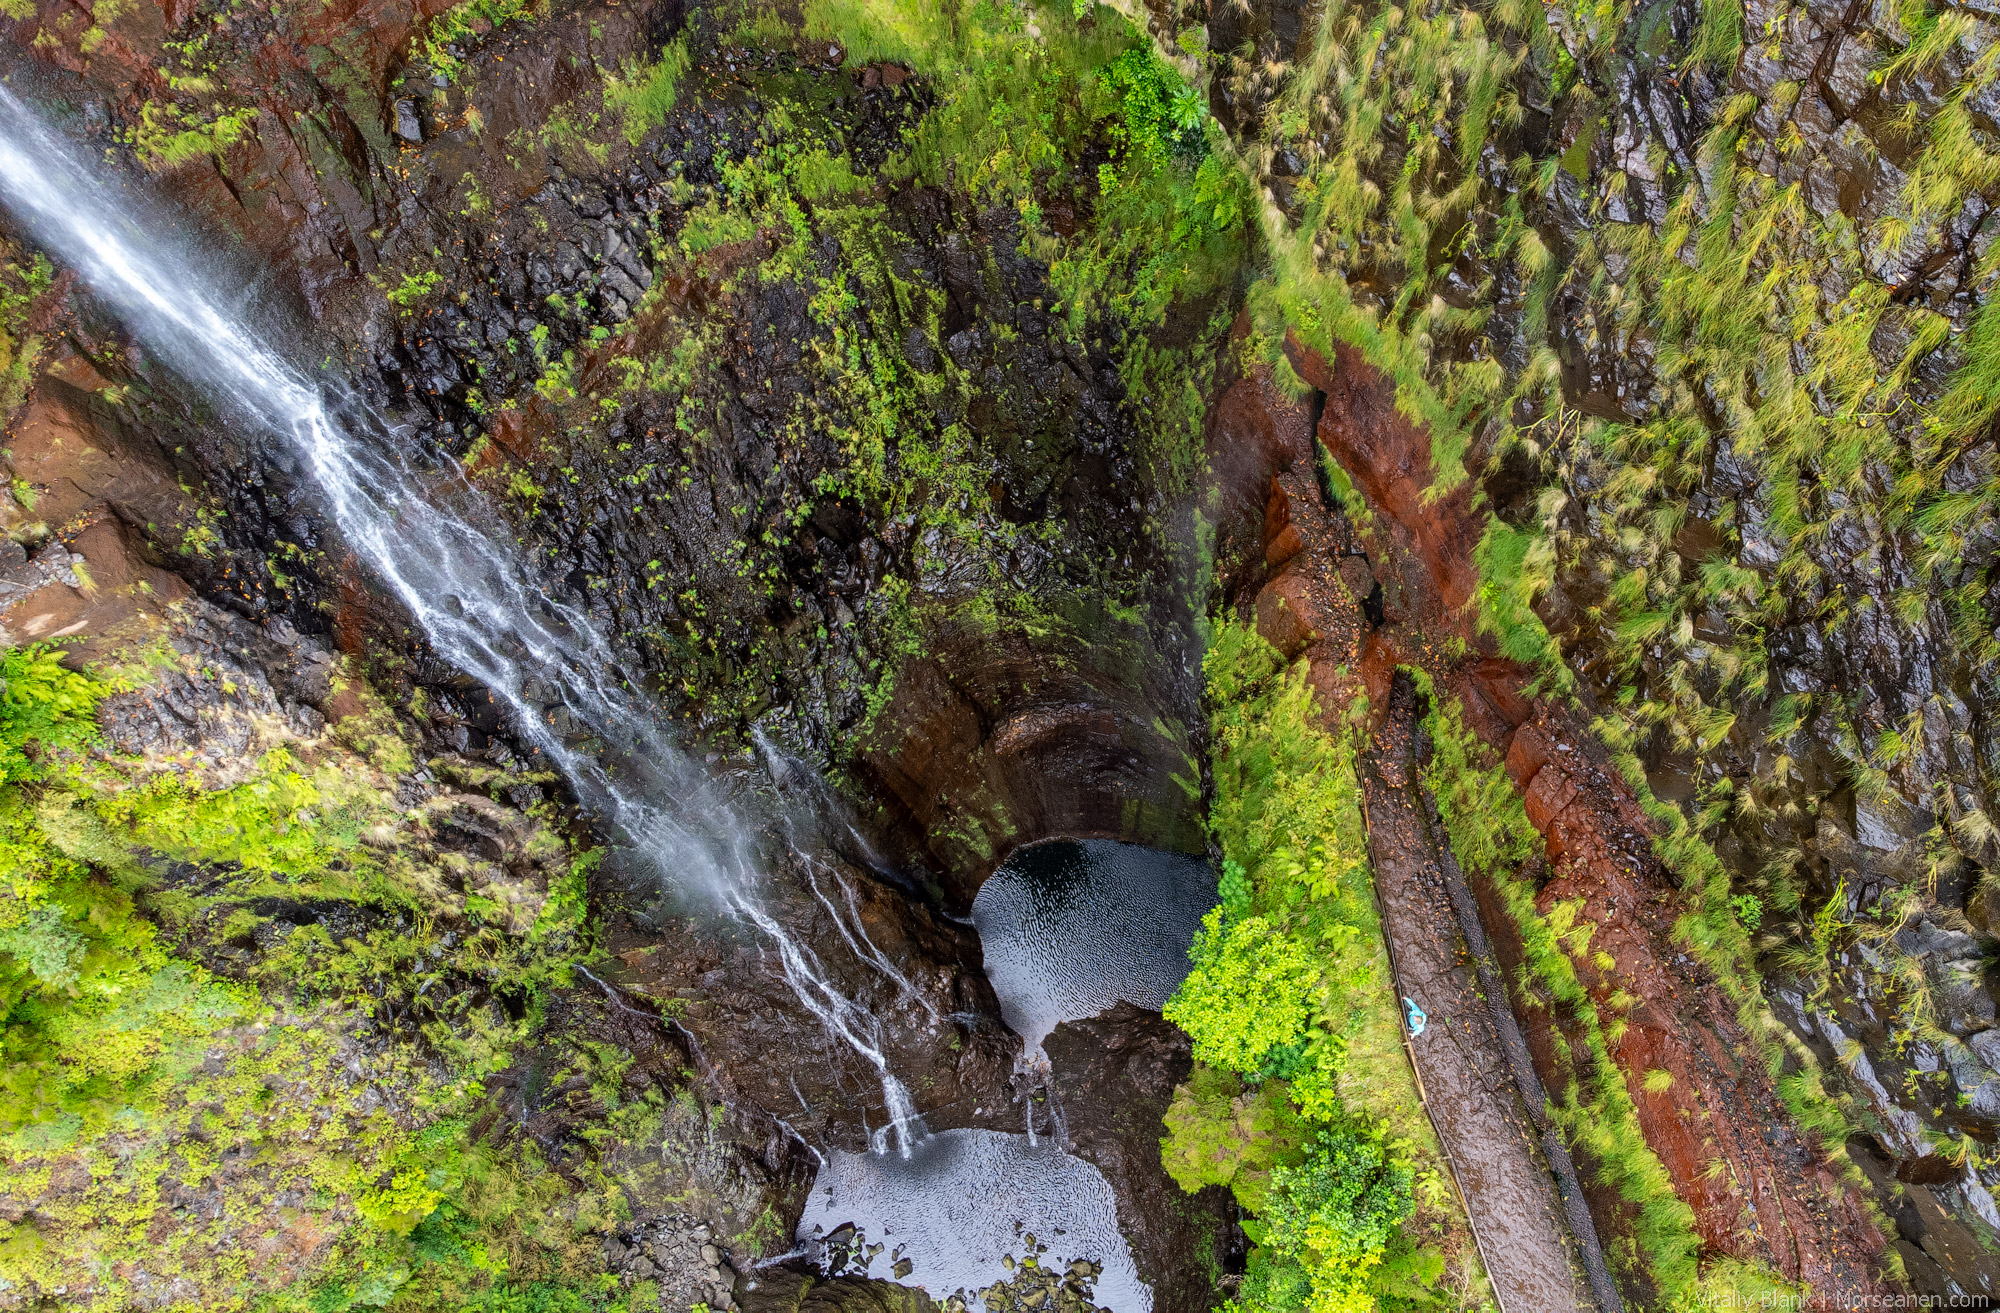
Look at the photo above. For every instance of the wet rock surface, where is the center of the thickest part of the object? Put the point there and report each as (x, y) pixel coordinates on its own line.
(358, 164)
(782, 1291)
(679, 1255)
(1113, 1076)
(930, 1014)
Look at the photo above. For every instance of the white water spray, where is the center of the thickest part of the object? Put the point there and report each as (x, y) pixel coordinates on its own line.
(477, 605)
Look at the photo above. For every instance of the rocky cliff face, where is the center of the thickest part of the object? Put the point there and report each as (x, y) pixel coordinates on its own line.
(1657, 383)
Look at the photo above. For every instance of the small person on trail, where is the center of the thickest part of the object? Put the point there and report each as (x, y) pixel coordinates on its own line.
(1416, 1017)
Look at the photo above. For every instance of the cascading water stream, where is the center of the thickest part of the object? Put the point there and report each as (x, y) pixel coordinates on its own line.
(473, 599)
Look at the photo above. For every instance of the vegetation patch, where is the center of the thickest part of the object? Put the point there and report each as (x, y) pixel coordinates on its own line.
(1303, 1101)
(21, 285)
(252, 1126)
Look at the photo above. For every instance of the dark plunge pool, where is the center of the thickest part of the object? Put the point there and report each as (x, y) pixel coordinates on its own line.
(1071, 927)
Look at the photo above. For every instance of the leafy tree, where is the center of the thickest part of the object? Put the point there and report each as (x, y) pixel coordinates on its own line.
(1249, 992)
(1335, 1213)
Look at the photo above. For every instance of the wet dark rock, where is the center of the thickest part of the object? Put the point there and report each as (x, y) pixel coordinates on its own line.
(1114, 1076)
(409, 126)
(728, 995)
(779, 1290)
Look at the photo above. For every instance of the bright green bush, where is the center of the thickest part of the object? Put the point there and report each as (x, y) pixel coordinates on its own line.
(42, 702)
(1335, 1213)
(1272, 1283)
(1159, 114)
(94, 1013)
(1248, 992)
(92, 1010)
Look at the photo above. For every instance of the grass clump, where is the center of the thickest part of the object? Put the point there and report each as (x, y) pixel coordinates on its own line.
(642, 93)
(21, 284)
(168, 137)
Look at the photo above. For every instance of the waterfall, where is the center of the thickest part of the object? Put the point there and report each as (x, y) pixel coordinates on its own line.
(476, 603)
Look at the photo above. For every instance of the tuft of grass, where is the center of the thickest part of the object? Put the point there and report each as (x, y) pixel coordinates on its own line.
(642, 94)
(167, 137)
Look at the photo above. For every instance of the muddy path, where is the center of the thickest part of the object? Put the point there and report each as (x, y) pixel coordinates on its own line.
(1470, 1087)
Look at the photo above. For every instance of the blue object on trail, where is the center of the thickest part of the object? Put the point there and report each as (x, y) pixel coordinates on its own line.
(1415, 1017)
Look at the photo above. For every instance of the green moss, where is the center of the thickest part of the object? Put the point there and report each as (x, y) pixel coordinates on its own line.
(21, 284)
(133, 1080)
(911, 33)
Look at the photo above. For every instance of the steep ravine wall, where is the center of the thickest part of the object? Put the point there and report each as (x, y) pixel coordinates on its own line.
(1644, 338)
(1697, 377)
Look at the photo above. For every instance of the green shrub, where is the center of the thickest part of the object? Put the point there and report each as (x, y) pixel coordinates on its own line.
(1248, 992)
(1272, 1283)
(42, 703)
(1159, 114)
(1221, 1133)
(413, 288)
(94, 1013)
(1334, 1214)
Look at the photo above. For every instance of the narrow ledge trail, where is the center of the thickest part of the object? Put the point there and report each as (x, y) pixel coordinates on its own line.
(1534, 1234)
